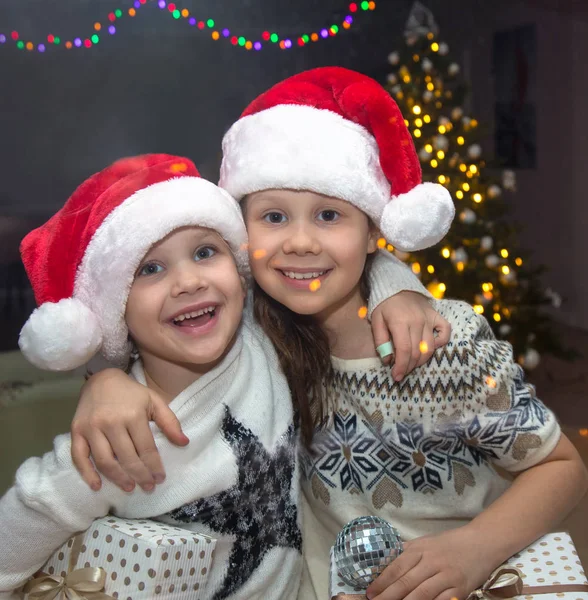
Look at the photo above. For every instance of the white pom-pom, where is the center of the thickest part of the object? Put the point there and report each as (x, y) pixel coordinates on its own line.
(418, 219)
(60, 336)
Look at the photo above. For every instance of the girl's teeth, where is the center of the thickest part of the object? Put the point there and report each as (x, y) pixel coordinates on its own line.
(194, 314)
(293, 275)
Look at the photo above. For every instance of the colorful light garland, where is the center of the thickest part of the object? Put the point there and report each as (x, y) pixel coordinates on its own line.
(266, 38)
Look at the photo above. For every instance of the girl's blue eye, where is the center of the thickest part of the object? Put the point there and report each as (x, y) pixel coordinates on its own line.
(150, 269)
(328, 215)
(204, 253)
(274, 217)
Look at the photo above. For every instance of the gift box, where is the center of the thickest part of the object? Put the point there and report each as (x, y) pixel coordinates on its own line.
(548, 569)
(130, 559)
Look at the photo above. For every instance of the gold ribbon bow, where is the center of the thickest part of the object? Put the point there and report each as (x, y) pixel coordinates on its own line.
(505, 582)
(78, 584)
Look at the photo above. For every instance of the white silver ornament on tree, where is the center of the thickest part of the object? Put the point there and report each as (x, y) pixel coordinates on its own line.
(443, 49)
(459, 255)
(392, 79)
(486, 243)
(440, 142)
(531, 359)
(494, 191)
(427, 96)
(424, 154)
(467, 216)
(509, 180)
(393, 58)
(492, 261)
(457, 113)
(554, 297)
(504, 330)
(426, 65)
(508, 278)
(474, 151)
(443, 121)
(420, 22)
(364, 548)
(453, 69)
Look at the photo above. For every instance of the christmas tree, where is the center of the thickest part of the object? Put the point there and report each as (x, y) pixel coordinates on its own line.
(479, 261)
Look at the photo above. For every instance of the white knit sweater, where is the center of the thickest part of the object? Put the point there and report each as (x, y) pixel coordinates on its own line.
(237, 417)
(428, 453)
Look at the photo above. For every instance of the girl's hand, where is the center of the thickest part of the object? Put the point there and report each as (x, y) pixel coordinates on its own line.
(111, 425)
(417, 330)
(440, 567)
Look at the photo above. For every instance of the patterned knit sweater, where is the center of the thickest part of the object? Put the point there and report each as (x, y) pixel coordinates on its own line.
(428, 453)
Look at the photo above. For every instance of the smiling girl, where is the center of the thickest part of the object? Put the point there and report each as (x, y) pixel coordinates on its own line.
(148, 257)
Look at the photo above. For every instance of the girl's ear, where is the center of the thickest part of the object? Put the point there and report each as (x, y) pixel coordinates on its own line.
(373, 236)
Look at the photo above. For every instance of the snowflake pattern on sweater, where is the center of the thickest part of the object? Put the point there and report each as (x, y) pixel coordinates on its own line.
(443, 428)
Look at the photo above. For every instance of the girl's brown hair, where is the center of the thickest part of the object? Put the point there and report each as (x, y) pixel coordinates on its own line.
(304, 354)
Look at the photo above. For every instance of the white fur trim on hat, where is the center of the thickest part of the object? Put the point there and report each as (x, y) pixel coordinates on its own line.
(112, 257)
(303, 148)
(60, 336)
(65, 335)
(418, 219)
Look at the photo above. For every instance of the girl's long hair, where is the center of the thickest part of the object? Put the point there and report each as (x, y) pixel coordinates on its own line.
(304, 354)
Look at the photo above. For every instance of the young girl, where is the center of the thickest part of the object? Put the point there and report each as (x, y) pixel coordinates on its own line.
(460, 455)
(147, 255)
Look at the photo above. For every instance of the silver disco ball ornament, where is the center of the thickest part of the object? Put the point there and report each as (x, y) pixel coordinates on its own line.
(364, 548)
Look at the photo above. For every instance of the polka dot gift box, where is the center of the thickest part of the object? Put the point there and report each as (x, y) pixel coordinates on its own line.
(140, 559)
(549, 569)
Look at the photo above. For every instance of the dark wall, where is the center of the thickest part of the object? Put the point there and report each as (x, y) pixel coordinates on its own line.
(156, 86)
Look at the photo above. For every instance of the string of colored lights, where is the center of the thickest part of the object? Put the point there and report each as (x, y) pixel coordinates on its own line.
(265, 38)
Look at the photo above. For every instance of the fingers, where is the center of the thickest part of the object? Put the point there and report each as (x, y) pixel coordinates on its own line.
(442, 329)
(107, 464)
(80, 454)
(382, 338)
(431, 587)
(123, 441)
(401, 338)
(426, 345)
(420, 583)
(395, 572)
(167, 421)
(142, 461)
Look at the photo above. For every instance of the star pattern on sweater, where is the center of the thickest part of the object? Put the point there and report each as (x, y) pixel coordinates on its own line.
(258, 510)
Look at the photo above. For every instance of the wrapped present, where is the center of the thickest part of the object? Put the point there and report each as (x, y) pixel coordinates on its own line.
(548, 569)
(130, 559)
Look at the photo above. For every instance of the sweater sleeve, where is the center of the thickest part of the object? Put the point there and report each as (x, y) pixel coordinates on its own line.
(389, 276)
(501, 420)
(48, 503)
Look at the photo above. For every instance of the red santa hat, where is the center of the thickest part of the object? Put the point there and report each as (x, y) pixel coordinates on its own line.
(337, 132)
(82, 262)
